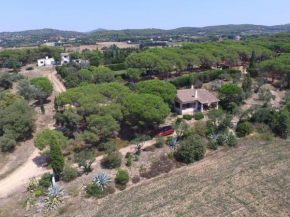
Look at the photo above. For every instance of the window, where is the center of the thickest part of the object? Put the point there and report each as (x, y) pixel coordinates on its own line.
(177, 104)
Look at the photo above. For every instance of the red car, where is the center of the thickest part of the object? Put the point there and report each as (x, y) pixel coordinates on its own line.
(164, 131)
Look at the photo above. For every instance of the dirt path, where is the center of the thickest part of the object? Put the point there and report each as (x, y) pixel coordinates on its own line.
(33, 166)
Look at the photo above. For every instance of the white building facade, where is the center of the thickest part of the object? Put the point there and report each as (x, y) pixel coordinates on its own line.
(65, 58)
(45, 62)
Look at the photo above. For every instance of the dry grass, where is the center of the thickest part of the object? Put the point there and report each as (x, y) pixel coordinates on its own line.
(251, 180)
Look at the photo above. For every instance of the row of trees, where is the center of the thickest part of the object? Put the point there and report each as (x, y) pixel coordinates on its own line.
(190, 56)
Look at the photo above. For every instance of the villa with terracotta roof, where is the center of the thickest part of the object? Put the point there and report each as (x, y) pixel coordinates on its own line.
(192, 100)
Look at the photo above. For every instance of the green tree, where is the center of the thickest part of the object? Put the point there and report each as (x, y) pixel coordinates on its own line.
(144, 110)
(42, 139)
(247, 85)
(28, 91)
(122, 177)
(85, 159)
(231, 93)
(283, 127)
(103, 126)
(9, 99)
(134, 74)
(56, 156)
(5, 80)
(163, 89)
(113, 160)
(43, 84)
(266, 96)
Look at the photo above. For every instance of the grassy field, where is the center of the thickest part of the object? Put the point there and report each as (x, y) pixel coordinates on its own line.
(250, 180)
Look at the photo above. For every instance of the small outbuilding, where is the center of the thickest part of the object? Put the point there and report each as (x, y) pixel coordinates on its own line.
(192, 100)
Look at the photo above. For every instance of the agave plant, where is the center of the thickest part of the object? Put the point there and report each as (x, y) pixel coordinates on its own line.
(54, 190)
(53, 198)
(102, 179)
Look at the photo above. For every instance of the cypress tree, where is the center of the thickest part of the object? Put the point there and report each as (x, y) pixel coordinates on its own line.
(252, 61)
(56, 156)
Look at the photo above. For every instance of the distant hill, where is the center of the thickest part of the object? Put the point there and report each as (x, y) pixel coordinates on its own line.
(41, 33)
(196, 31)
(96, 30)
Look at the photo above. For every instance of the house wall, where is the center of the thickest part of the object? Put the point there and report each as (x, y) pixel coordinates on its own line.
(65, 59)
(187, 110)
(40, 62)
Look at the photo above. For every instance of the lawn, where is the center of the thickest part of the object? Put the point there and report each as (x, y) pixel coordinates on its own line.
(250, 180)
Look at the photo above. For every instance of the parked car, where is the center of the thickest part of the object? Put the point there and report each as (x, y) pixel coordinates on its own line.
(164, 131)
(29, 68)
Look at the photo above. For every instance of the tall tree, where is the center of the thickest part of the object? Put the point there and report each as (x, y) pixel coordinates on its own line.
(56, 156)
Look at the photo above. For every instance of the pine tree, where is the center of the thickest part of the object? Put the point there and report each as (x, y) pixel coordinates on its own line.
(247, 85)
(56, 156)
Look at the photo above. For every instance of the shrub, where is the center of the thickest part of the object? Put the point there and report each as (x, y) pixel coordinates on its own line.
(198, 116)
(200, 128)
(69, 173)
(221, 140)
(168, 140)
(160, 141)
(122, 177)
(212, 144)
(187, 117)
(262, 128)
(174, 114)
(113, 160)
(45, 180)
(93, 189)
(244, 129)
(128, 154)
(178, 120)
(191, 149)
(129, 162)
(38, 192)
(135, 179)
(232, 140)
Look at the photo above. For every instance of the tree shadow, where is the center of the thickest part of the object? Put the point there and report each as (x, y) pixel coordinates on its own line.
(41, 161)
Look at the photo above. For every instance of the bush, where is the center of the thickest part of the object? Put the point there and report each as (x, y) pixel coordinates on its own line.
(232, 140)
(191, 149)
(187, 117)
(38, 192)
(262, 128)
(244, 129)
(94, 190)
(45, 180)
(174, 114)
(200, 128)
(129, 162)
(160, 141)
(212, 144)
(135, 179)
(178, 120)
(128, 154)
(122, 177)
(113, 160)
(198, 116)
(168, 140)
(221, 140)
(69, 173)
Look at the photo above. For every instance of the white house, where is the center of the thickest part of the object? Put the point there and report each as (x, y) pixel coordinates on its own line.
(192, 100)
(64, 58)
(45, 62)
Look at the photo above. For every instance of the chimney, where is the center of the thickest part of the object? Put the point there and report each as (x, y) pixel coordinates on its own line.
(195, 94)
(192, 87)
(46, 57)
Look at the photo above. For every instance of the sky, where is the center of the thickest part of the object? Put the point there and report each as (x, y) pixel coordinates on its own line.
(87, 15)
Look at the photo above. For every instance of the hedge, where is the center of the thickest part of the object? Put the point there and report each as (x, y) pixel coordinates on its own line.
(117, 67)
(207, 76)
